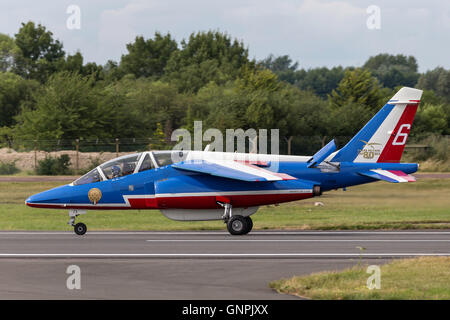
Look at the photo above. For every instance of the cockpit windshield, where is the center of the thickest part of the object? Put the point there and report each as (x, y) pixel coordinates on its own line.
(90, 177)
(126, 165)
(163, 158)
(121, 166)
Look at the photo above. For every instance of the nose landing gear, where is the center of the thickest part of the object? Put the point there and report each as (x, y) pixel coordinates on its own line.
(79, 228)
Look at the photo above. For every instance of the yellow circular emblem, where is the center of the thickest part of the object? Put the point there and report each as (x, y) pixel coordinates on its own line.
(94, 195)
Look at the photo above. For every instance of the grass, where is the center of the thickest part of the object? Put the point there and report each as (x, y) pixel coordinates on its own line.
(419, 278)
(423, 204)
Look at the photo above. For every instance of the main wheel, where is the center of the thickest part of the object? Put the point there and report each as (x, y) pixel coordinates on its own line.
(80, 228)
(237, 225)
(249, 224)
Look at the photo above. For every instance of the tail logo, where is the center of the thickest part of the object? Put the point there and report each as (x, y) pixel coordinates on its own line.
(369, 150)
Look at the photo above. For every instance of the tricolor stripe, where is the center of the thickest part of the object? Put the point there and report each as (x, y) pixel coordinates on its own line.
(202, 200)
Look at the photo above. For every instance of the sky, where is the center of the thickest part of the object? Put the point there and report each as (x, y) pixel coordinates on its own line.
(315, 33)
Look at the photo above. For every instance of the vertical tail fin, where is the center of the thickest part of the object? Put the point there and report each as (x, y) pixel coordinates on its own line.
(384, 137)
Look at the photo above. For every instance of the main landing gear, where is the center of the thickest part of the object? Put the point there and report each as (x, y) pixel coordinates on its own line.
(236, 225)
(79, 228)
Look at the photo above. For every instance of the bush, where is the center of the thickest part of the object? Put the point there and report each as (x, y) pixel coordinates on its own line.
(54, 166)
(8, 167)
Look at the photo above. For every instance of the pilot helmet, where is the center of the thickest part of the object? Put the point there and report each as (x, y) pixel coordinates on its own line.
(115, 170)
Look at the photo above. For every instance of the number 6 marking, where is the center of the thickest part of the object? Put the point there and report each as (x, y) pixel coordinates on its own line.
(403, 135)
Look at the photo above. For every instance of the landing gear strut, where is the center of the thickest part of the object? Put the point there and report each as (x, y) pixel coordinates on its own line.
(236, 225)
(79, 228)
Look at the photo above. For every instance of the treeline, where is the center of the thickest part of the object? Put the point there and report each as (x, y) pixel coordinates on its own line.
(160, 85)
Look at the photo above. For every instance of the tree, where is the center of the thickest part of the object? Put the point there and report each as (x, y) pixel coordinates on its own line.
(14, 91)
(39, 54)
(206, 56)
(306, 121)
(8, 52)
(148, 58)
(358, 86)
(437, 80)
(282, 66)
(322, 81)
(430, 119)
(142, 104)
(66, 108)
(392, 70)
(279, 64)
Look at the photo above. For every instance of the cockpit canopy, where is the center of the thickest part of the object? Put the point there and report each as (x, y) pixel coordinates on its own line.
(128, 164)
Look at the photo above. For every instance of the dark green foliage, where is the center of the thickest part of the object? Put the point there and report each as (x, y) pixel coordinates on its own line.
(392, 70)
(8, 52)
(14, 92)
(282, 66)
(357, 87)
(67, 108)
(204, 57)
(322, 81)
(8, 168)
(39, 54)
(148, 58)
(54, 166)
(437, 80)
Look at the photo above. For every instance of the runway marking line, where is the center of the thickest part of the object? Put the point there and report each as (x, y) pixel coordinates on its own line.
(210, 255)
(298, 240)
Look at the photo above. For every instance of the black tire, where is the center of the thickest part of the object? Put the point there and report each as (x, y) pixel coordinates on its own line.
(249, 224)
(80, 229)
(237, 225)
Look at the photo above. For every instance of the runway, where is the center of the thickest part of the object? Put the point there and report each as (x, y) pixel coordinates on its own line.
(191, 265)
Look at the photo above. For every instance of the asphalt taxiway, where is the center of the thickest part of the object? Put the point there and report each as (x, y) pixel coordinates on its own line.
(191, 265)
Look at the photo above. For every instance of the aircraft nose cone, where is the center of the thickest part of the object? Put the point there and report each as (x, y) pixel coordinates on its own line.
(45, 198)
(36, 198)
(29, 200)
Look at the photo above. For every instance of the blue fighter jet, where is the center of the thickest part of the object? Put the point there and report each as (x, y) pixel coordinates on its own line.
(202, 185)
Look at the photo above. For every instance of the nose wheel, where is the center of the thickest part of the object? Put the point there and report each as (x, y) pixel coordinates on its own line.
(79, 228)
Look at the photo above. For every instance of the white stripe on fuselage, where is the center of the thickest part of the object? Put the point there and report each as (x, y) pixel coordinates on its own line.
(181, 195)
(383, 133)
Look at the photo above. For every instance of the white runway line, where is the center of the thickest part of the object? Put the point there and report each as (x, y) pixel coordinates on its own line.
(298, 240)
(210, 255)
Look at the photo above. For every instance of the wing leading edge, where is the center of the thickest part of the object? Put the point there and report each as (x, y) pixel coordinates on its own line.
(244, 171)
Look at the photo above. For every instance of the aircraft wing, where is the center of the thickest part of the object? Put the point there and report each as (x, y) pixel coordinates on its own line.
(238, 170)
(394, 176)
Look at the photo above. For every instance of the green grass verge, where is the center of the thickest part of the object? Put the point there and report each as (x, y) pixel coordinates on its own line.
(419, 278)
(423, 204)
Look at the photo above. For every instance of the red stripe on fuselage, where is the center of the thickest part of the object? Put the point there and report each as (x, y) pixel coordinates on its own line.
(186, 202)
(210, 202)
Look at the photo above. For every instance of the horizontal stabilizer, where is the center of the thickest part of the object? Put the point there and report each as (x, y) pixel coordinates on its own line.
(394, 176)
(232, 170)
(322, 154)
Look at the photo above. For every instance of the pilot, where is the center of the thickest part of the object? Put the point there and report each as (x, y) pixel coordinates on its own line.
(115, 170)
(128, 168)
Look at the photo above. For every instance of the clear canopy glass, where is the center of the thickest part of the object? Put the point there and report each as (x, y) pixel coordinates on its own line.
(121, 166)
(128, 164)
(90, 177)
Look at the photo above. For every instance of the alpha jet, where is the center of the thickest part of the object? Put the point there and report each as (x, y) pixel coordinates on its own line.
(202, 185)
